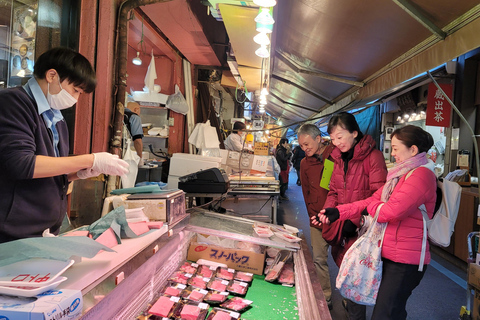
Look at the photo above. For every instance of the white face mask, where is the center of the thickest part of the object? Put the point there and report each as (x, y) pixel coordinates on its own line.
(61, 100)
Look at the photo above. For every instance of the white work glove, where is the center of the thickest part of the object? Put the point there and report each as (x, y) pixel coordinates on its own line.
(87, 173)
(109, 164)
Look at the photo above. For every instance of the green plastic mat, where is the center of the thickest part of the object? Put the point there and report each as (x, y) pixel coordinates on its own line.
(271, 301)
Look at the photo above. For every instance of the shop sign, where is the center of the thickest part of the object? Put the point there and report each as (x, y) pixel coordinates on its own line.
(261, 148)
(438, 108)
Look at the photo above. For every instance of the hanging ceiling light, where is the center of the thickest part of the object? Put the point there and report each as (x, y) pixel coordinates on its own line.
(265, 28)
(137, 61)
(265, 3)
(262, 52)
(264, 16)
(262, 39)
(263, 100)
(264, 91)
(279, 122)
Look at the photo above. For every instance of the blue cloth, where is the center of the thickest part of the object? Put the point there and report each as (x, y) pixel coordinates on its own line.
(50, 116)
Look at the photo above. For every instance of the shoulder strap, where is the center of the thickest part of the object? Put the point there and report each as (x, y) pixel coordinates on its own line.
(423, 209)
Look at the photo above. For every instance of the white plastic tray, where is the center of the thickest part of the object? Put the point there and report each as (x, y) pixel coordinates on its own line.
(31, 291)
(32, 272)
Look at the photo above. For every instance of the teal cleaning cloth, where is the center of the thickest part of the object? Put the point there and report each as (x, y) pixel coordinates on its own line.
(115, 219)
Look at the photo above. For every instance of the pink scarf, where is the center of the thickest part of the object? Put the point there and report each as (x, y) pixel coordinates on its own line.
(399, 170)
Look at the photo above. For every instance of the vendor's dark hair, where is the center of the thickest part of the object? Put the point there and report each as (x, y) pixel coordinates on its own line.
(238, 125)
(412, 135)
(70, 65)
(346, 121)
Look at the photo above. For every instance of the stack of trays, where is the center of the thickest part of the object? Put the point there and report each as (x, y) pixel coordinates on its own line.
(32, 277)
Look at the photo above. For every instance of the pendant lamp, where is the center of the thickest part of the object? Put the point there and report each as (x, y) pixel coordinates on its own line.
(265, 3)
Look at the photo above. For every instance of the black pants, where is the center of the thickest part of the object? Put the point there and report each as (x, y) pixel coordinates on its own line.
(356, 311)
(398, 282)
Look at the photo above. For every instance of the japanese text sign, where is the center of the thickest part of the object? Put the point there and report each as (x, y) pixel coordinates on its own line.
(438, 108)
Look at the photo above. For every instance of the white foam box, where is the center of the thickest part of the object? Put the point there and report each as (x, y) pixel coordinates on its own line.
(54, 304)
(182, 164)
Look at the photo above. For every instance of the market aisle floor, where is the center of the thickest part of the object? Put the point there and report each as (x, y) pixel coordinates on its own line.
(439, 296)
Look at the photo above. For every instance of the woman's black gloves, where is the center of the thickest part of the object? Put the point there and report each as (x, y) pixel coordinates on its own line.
(332, 214)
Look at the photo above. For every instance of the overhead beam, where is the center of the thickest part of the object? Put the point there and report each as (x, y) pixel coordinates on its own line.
(409, 8)
(292, 104)
(290, 111)
(298, 69)
(279, 78)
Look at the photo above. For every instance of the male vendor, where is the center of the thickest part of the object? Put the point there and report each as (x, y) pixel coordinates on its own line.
(311, 170)
(35, 168)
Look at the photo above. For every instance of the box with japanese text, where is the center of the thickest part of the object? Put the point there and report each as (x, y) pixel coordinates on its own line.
(243, 260)
(51, 305)
(474, 275)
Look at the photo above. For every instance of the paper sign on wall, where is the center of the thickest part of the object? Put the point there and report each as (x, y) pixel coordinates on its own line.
(260, 164)
(327, 174)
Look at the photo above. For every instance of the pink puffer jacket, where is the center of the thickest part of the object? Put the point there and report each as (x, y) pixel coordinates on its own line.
(402, 241)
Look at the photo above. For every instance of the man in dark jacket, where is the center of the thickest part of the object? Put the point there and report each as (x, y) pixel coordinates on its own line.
(311, 170)
(35, 168)
(298, 155)
(283, 155)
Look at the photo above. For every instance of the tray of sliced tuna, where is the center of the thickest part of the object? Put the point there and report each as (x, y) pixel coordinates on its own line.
(206, 271)
(173, 289)
(164, 306)
(236, 304)
(194, 294)
(189, 267)
(215, 297)
(190, 310)
(238, 287)
(223, 314)
(217, 284)
(180, 277)
(226, 273)
(198, 281)
(287, 275)
(244, 276)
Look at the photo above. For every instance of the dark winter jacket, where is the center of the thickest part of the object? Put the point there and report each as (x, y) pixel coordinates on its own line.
(366, 172)
(282, 156)
(298, 155)
(28, 206)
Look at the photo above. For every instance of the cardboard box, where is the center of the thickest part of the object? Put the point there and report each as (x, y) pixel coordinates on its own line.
(50, 305)
(237, 259)
(474, 275)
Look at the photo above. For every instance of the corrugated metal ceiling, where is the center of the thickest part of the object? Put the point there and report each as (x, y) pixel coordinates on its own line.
(322, 50)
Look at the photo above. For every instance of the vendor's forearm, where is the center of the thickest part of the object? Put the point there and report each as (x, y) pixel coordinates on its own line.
(54, 166)
(138, 144)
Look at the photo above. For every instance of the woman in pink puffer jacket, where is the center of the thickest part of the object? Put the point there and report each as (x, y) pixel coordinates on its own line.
(402, 244)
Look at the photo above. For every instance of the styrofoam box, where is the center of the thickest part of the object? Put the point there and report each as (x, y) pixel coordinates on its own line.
(182, 164)
(53, 304)
(172, 182)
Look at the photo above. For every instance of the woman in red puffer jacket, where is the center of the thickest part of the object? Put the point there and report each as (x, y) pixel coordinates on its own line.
(359, 170)
(400, 199)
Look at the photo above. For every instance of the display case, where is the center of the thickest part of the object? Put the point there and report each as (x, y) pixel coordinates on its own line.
(121, 285)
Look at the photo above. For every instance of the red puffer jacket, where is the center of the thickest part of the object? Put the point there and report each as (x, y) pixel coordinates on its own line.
(365, 174)
(402, 241)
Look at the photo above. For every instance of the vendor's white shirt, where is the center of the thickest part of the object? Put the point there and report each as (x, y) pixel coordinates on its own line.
(234, 142)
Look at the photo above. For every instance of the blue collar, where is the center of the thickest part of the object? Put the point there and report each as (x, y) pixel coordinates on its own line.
(33, 89)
